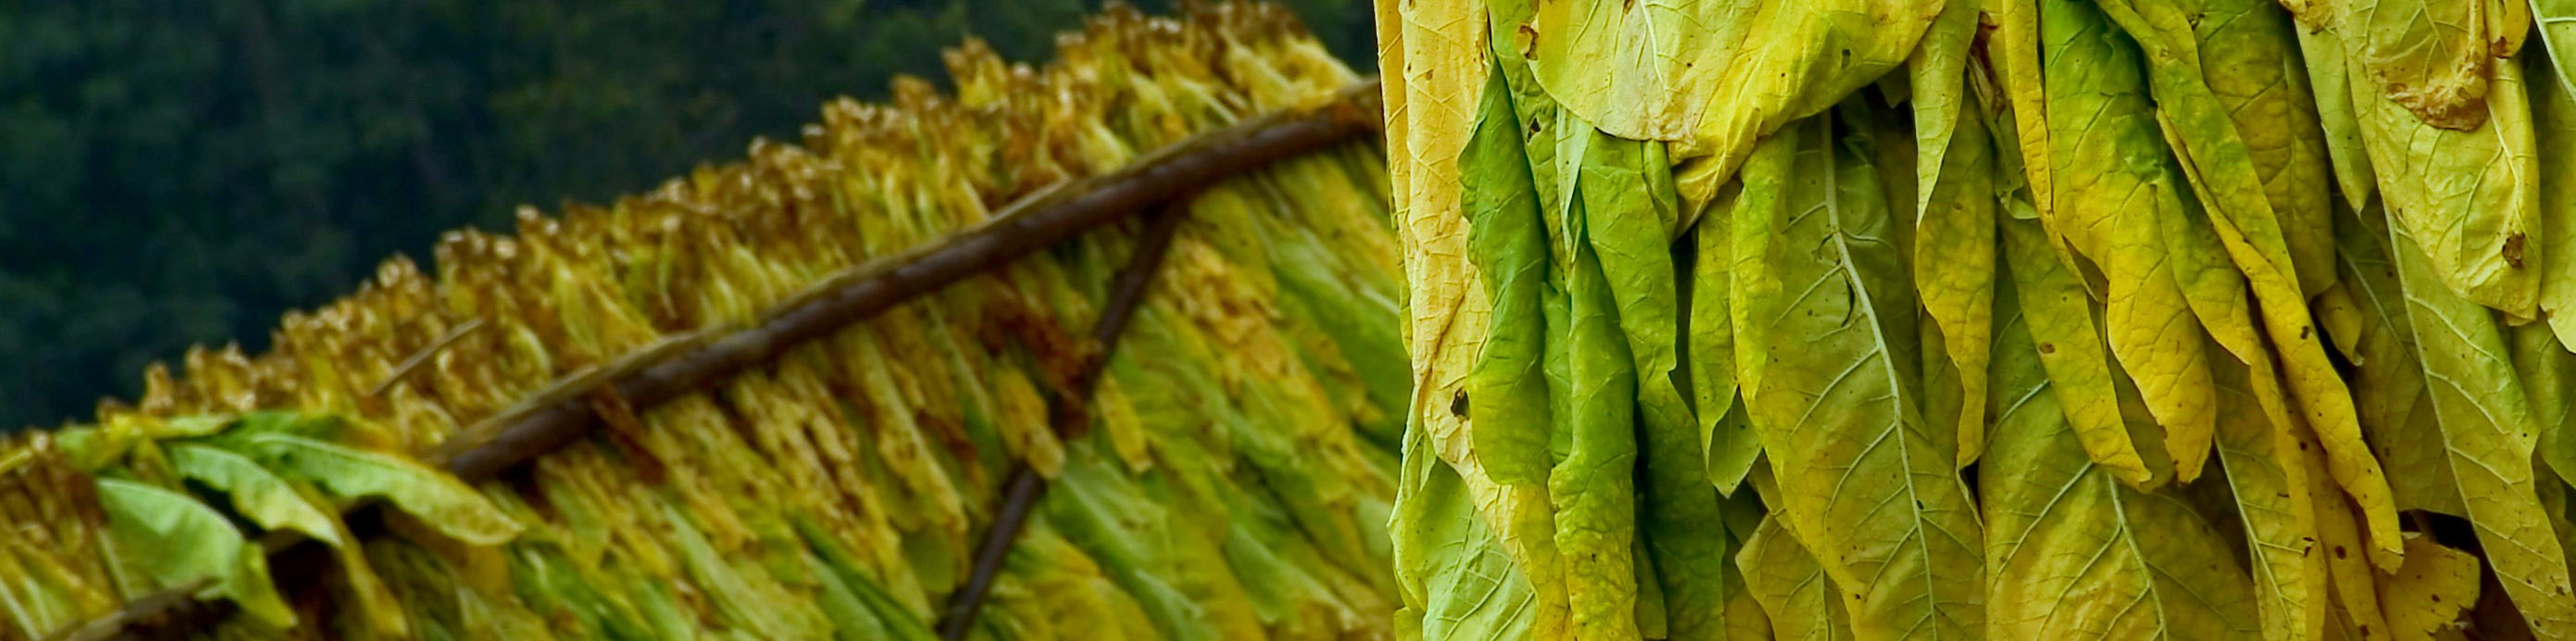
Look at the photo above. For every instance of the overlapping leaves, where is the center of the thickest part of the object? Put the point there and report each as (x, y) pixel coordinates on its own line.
(2204, 319)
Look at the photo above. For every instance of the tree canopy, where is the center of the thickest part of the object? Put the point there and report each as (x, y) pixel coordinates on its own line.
(177, 172)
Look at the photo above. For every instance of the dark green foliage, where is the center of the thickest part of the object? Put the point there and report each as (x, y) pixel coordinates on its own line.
(175, 172)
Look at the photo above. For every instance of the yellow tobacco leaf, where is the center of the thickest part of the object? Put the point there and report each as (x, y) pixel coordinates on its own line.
(2489, 434)
(2013, 55)
(2430, 56)
(2253, 239)
(2435, 586)
(1638, 70)
(2104, 145)
(1802, 602)
(1936, 74)
(1726, 437)
(2075, 552)
(2468, 197)
(2271, 496)
(2258, 81)
(2388, 382)
(2339, 543)
(2057, 313)
(1954, 264)
(2322, 55)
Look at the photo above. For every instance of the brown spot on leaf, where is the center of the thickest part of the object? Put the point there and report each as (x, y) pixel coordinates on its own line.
(1458, 404)
(2047, 348)
(2339, 552)
(2513, 250)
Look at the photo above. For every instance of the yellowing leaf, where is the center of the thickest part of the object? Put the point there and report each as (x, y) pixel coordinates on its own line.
(2431, 56)
(255, 492)
(2553, 116)
(2388, 384)
(2259, 82)
(1936, 72)
(1954, 264)
(2488, 435)
(2078, 554)
(1802, 602)
(1803, 57)
(2253, 240)
(2056, 312)
(2339, 543)
(2321, 53)
(1510, 503)
(2222, 171)
(1638, 70)
(175, 541)
(1860, 474)
(1726, 437)
(2468, 197)
(2269, 483)
(2433, 589)
(2114, 185)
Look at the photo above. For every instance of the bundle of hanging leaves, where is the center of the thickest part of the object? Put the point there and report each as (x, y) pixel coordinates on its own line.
(1233, 485)
(2053, 319)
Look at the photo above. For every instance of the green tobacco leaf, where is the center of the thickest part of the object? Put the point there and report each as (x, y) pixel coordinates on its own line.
(1726, 437)
(1507, 391)
(2548, 373)
(2058, 315)
(2553, 117)
(1861, 475)
(1538, 112)
(177, 541)
(1626, 187)
(255, 492)
(2388, 386)
(1457, 581)
(2321, 53)
(2557, 20)
(441, 501)
(1804, 604)
(2468, 198)
(1954, 265)
(1593, 486)
(1936, 73)
(2075, 552)
(2488, 431)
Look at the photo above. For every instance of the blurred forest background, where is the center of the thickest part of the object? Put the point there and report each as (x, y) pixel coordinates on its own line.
(180, 171)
